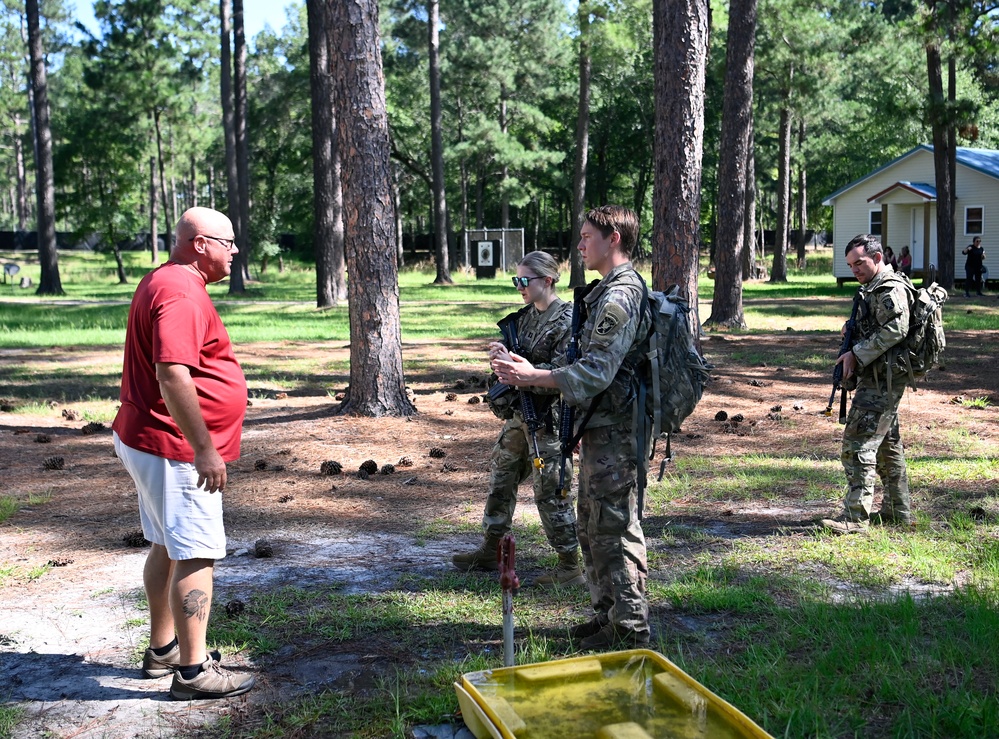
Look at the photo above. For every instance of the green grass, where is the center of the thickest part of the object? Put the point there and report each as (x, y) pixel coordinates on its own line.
(10, 716)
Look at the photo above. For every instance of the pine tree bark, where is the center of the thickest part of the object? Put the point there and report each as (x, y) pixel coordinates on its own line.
(800, 241)
(778, 272)
(21, 203)
(577, 272)
(437, 148)
(48, 256)
(331, 283)
(377, 385)
(240, 273)
(229, 118)
(749, 224)
(736, 128)
(154, 237)
(680, 40)
(944, 165)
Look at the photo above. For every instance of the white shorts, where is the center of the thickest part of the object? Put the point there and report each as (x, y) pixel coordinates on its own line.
(175, 513)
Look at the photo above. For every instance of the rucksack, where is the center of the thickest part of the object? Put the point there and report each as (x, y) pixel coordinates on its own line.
(674, 369)
(925, 341)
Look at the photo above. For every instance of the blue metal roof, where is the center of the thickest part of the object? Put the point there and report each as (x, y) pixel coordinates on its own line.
(923, 189)
(985, 161)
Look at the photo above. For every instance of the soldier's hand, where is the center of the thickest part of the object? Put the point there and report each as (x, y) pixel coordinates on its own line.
(498, 350)
(849, 362)
(514, 370)
(211, 470)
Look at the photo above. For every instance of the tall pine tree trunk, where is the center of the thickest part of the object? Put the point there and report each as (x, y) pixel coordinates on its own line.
(736, 129)
(680, 41)
(577, 272)
(168, 227)
(778, 272)
(240, 274)
(21, 202)
(331, 284)
(437, 148)
(154, 237)
(801, 240)
(377, 385)
(48, 256)
(229, 118)
(749, 220)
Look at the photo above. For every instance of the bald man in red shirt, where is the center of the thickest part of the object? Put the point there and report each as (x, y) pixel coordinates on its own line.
(183, 399)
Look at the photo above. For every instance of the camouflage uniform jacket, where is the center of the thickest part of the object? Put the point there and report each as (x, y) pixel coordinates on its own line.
(616, 326)
(882, 324)
(542, 337)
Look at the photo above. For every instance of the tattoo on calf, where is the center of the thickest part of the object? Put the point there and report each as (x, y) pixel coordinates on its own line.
(196, 604)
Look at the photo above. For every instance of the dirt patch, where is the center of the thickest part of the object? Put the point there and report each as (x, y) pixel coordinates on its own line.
(70, 623)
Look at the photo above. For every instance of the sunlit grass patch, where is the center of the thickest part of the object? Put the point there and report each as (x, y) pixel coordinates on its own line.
(748, 477)
(713, 588)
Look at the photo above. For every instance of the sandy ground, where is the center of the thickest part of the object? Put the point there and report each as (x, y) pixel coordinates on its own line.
(71, 629)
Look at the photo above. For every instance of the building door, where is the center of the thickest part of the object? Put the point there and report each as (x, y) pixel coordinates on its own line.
(923, 249)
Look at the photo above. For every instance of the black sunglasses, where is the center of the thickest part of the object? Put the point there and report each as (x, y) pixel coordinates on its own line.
(525, 281)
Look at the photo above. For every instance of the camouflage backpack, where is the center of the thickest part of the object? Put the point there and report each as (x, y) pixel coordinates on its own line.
(674, 370)
(925, 341)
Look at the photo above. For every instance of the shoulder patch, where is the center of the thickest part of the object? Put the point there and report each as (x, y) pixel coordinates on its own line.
(611, 318)
(889, 303)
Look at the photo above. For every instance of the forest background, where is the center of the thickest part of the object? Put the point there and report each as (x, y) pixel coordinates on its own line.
(840, 87)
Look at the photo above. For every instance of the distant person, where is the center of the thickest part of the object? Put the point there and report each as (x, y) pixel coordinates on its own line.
(890, 258)
(610, 530)
(542, 329)
(871, 443)
(974, 266)
(905, 262)
(183, 398)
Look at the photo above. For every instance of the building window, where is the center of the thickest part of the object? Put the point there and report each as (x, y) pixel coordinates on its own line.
(875, 229)
(974, 220)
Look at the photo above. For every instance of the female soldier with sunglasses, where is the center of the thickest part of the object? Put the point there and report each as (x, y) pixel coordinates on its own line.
(542, 330)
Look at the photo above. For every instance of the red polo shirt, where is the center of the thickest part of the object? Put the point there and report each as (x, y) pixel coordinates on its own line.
(172, 319)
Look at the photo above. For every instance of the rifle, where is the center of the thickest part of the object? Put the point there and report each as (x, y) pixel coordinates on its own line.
(508, 327)
(846, 346)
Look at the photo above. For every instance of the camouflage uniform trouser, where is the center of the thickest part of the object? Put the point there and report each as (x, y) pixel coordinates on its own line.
(872, 447)
(610, 533)
(511, 464)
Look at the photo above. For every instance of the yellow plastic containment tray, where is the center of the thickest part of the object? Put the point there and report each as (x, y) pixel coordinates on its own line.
(637, 694)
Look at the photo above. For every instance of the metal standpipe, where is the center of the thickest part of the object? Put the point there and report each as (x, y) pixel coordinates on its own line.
(505, 555)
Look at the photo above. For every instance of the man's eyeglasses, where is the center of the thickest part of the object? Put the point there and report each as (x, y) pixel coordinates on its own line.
(229, 244)
(525, 281)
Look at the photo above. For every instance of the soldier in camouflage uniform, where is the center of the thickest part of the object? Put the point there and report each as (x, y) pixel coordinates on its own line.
(610, 532)
(542, 330)
(871, 443)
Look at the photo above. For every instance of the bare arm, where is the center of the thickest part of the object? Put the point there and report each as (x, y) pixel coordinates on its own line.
(181, 398)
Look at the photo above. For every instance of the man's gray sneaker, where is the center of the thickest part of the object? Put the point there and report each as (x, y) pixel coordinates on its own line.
(153, 666)
(211, 682)
(844, 525)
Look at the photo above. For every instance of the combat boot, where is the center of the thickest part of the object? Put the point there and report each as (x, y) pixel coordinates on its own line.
(566, 572)
(483, 558)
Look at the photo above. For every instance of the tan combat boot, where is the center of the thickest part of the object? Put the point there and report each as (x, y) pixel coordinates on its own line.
(566, 572)
(483, 558)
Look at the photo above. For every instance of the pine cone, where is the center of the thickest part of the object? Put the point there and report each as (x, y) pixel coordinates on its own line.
(721, 416)
(53, 463)
(738, 418)
(234, 608)
(43, 439)
(7, 405)
(460, 385)
(260, 464)
(262, 549)
(387, 469)
(363, 474)
(437, 453)
(451, 397)
(92, 428)
(405, 462)
(70, 415)
(286, 498)
(474, 400)
(135, 539)
(370, 466)
(449, 467)
(330, 468)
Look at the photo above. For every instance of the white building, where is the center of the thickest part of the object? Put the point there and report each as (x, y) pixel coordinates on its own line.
(898, 202)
